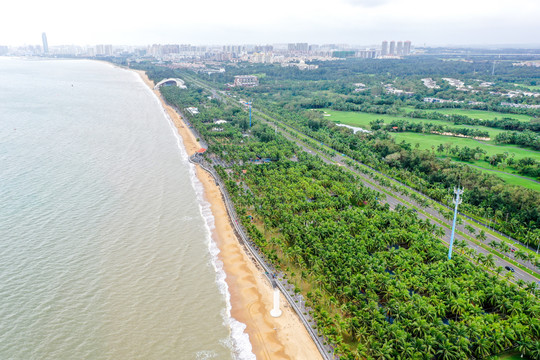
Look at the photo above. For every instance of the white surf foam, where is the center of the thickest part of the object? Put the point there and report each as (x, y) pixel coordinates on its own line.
(238, 342)
(205, 355)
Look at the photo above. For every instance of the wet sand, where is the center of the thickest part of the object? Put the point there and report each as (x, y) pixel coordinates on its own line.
(251, 293)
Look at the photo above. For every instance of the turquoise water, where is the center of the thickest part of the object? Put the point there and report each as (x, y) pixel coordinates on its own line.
(105, 248)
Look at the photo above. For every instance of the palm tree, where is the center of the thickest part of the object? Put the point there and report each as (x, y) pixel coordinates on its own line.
(382, 351)
(448, 351)
(439, 232)
(481, 236)
(463, 344)
(520, 255)
(490, 261)
(534, 350)
(428, 348)
(361, 351)
(523, 346)
(508, 337)
(470, 229)
(461, 245)
(482, 348)
(480, 258)
(440, 148)
(509, 275)
(514, 308)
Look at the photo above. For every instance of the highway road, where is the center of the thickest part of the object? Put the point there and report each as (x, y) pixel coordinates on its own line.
(393, 201)
(392, 198)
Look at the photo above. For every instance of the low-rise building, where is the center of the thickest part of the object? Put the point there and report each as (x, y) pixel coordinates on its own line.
(193, 110)
(437, 100)
(522, 106)
(430, 83)
(246, 80)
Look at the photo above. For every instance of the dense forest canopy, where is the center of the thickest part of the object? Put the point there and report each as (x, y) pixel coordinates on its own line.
(378, 281)
(289, 94)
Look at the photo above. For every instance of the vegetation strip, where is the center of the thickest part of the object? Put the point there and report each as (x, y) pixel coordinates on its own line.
(368, 295)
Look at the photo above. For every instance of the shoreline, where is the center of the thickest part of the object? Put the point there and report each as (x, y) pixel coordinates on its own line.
(250, 292)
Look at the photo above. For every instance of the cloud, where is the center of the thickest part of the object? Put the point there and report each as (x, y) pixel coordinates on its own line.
(367, 3)
(360, 22)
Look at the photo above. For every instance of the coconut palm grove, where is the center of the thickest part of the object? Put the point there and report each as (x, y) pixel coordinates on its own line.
(377, 279)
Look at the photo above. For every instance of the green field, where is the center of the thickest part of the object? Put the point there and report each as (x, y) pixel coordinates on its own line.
(428, 141)
(511, 355)
(362, 119)
(432, 141)
(476, 114)
(530, 87)
(514, 180)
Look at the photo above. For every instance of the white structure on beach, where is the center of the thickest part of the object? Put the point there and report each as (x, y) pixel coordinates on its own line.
(276, 312)
(179, 82)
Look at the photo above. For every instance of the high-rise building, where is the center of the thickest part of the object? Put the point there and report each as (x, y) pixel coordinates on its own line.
(170, 49)
(366, 54)
(384, 48)
(302, 47)
(400, 48)
(298, 47)
(45, 44)
(392, 48)
(407, 48)
(100, 50)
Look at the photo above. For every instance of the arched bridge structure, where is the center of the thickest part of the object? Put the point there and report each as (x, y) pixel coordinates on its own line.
(170, 81)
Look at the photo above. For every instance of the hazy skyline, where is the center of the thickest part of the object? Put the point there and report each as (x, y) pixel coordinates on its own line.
(429, 22)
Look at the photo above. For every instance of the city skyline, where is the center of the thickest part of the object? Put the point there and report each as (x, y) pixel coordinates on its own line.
(240, 22)
(45, 43)
(261, 53)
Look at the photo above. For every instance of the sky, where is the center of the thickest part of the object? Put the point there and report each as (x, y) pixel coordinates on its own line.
(207, 22)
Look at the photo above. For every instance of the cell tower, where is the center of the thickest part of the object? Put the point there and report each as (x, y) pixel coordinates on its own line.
(249, 104)
(493, 69)
(457, 201)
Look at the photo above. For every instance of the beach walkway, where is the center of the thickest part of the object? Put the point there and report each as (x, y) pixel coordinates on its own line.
(296, 301)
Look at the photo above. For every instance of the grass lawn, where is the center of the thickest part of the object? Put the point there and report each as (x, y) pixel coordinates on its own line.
(362, 119)
(475, 114)
(426, 142)
(511, 355)
(514, 180)
(530, 87)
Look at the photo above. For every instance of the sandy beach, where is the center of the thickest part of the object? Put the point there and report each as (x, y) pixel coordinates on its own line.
(251, 294)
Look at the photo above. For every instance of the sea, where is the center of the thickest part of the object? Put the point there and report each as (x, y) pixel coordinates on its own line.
(105, 235)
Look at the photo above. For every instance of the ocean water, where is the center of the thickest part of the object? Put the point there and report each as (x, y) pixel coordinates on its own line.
(105, 247)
